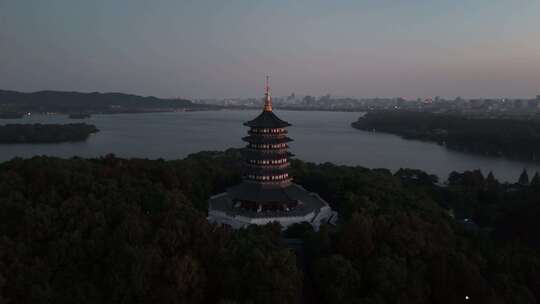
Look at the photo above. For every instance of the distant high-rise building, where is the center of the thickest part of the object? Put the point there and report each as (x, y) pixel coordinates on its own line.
(533, 103)
(267, 193)
(292, 96)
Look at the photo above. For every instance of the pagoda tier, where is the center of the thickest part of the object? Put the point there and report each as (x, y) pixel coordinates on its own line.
(252, 195)
(252, 139)
(252, 156)
(267, 120)
(275, 174)
(264, 131)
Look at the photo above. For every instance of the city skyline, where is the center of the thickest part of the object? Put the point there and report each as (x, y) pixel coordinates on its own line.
(204, 49)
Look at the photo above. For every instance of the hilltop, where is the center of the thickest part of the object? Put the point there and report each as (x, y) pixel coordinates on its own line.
(95, 102)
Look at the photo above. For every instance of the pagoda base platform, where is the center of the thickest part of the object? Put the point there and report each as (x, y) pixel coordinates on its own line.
(312, 209)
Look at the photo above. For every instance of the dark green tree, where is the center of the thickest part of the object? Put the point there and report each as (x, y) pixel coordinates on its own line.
(524, 178)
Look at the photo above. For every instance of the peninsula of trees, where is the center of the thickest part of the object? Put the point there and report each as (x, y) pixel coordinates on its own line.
(74, 102)
(45, 133)
(510, 138)
(112, 230)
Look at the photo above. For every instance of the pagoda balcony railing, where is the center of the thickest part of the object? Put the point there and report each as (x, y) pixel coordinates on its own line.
(270, 182)
(269, 166)
(267, 150)
(269, 140)
(265, 155)
(266, 134)
(268, 131)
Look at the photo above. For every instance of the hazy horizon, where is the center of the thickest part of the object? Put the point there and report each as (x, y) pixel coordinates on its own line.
(212, 49)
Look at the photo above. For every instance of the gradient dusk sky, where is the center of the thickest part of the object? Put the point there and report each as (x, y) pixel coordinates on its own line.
(200, 48)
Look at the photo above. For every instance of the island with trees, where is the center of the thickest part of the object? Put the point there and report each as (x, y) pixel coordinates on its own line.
(45, 133)
(113, 230)
(504, 137)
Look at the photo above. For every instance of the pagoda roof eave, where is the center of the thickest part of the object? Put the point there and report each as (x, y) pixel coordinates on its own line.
(267, 119)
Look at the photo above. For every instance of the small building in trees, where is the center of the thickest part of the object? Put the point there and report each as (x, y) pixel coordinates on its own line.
(267, 193)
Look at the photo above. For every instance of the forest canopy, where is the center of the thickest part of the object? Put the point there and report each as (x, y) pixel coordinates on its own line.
(112, 230)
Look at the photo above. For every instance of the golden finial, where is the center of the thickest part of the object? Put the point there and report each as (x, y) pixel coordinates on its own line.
(267, 97)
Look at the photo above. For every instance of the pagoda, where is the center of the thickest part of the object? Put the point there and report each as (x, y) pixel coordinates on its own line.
(267, 192)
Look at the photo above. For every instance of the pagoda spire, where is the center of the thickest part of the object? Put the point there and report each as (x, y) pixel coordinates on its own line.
(267, 97)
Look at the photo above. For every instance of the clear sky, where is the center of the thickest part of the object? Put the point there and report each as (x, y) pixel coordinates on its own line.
(224, 48)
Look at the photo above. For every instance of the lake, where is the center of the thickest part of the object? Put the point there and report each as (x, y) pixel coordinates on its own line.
(319, 137)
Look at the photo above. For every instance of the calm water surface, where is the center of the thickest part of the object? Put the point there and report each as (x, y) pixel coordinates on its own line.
(319, 137)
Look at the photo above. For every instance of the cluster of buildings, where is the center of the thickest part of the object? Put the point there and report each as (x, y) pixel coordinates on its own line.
(482, 107)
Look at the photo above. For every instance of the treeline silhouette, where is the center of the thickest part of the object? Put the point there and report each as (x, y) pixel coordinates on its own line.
(45, 133)
(75, 102)
(112, 230)
(511, 138)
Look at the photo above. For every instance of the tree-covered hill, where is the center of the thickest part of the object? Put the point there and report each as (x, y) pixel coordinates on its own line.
(68, 102)
(511, 138)
(45, 133)
(113, 230)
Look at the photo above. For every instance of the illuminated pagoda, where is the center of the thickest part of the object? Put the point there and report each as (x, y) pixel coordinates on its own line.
(267, 192)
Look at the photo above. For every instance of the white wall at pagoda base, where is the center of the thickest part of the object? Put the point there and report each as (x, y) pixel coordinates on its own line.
(315, 218)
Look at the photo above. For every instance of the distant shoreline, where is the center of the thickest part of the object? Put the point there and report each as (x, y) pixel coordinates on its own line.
(506, 138)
